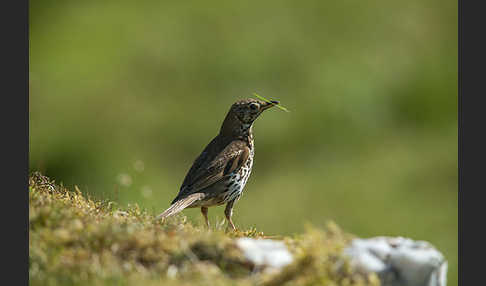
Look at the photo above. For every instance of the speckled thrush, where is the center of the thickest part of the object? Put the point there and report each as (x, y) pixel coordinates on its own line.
(221, 171)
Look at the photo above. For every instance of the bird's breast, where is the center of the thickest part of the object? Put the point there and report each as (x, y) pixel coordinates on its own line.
(230, 188)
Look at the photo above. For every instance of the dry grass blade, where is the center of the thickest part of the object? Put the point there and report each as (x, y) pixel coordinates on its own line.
(277, 105)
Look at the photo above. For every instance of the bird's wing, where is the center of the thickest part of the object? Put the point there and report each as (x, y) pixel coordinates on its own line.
(208, 170)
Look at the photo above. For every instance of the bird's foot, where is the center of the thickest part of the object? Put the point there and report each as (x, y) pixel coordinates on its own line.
(232, 226)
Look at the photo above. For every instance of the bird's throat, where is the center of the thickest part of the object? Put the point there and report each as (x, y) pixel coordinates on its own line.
(233, 127)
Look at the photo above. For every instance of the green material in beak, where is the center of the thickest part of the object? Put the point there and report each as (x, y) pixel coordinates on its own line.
(272, 102)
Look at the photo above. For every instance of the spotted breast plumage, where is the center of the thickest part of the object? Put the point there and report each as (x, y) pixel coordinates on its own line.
(237, 180)
(220, 173)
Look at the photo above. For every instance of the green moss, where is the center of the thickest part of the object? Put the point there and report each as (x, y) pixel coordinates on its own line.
(74, 240)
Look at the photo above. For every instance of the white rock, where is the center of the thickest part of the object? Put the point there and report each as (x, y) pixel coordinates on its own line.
(265, 253)
(172, 271)
(399, 261)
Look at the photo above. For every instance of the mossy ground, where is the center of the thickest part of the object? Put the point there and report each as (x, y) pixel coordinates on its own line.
(75, 240)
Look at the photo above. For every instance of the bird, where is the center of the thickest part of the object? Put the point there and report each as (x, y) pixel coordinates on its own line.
(219, 174)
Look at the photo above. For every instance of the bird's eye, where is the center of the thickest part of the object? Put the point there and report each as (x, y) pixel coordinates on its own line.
(254, 106)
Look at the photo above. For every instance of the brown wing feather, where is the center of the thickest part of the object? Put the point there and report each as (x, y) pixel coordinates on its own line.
(205, 173)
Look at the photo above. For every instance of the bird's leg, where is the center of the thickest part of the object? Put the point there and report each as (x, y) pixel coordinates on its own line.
(204, 211)
(228, 212)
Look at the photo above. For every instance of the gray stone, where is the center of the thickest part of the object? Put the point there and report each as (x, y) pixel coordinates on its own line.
(265, 254)
(399, 261)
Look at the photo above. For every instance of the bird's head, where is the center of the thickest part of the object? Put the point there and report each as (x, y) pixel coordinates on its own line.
(244, 112)
(247, 110)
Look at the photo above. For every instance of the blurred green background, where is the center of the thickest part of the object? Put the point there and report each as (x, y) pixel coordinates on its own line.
(124, 95)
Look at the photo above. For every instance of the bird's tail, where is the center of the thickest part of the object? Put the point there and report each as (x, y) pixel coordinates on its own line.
(181, 204)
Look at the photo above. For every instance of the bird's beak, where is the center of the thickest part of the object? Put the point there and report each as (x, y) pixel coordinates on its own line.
(269, 104)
